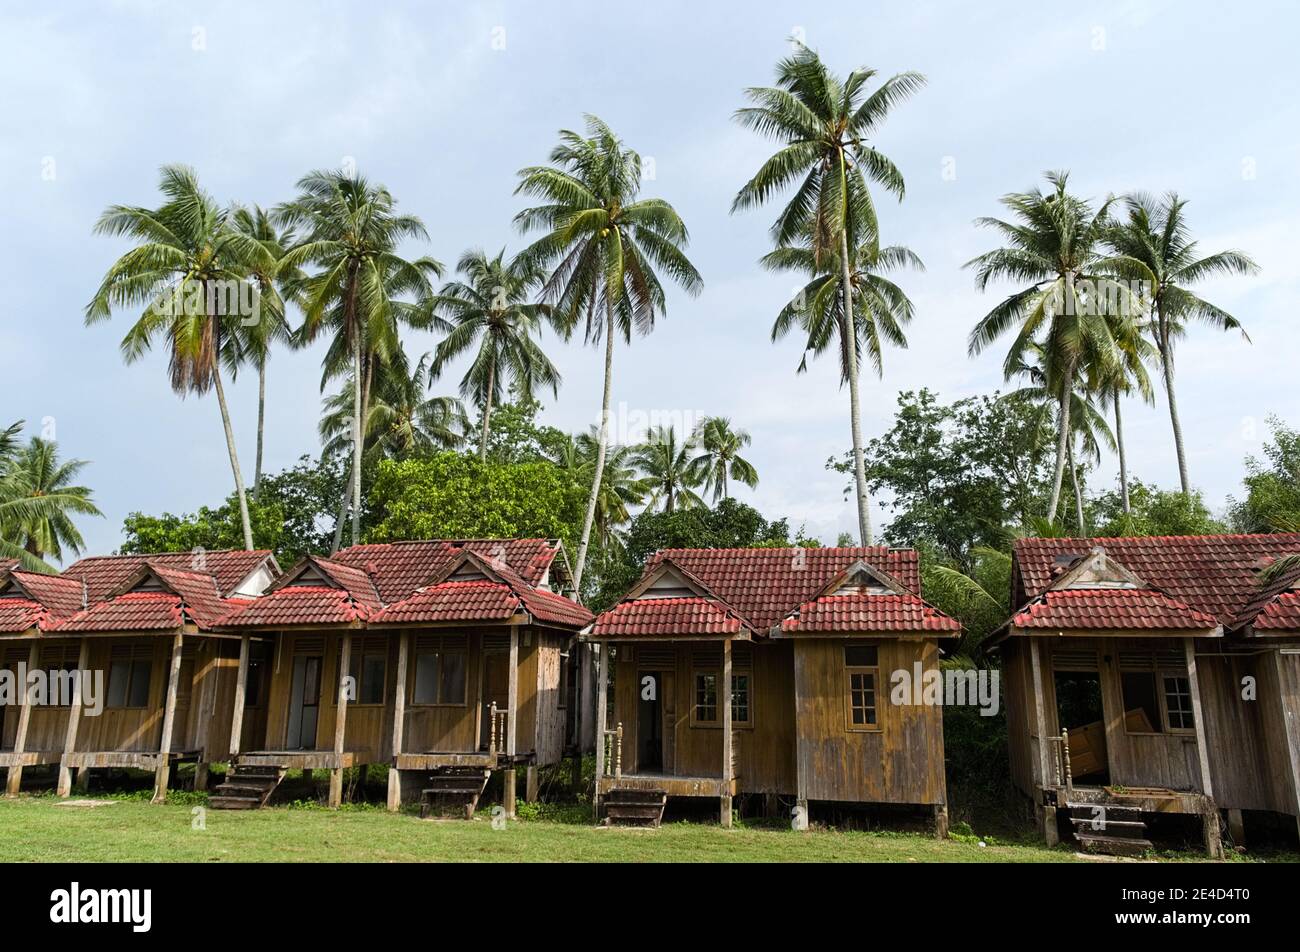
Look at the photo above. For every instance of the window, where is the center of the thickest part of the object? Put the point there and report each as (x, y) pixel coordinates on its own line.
(861, 667)
(1157, 692)
(129, 674)
(61, 658)
(1178, 703)
(369, 665)
(439, 674)
(256, 674)
(705, 709)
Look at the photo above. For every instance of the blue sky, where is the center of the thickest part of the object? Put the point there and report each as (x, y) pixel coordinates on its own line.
(444, 103)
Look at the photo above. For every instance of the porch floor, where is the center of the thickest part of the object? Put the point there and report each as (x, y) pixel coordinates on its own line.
(139, 759)
(1146, 799)
(298, 759)
(29, 758)
(671, 784)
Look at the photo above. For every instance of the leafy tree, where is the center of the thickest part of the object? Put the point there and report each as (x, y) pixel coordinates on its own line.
(1155, 245)
(1153, 512)
(728, 525)
(517, 437)
(349, 229)
(1272, 502)
(621, 488)
(823, 125)
(490, 311)
(1054, 251)
(667, 466)
(603, 248)
(456, 496)
(188, 268)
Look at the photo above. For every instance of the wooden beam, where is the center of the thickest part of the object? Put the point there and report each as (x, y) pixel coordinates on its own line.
(724, 698)
(799, 819)
(512, 722)
(399, 723)
(1212, 832)
(14, 782)
(204, 707)
(584, 696)
(241, 698)
(1046, 814)
(163, 773)
(64, 787)
(340, 721)
(1290, 734)
(601, 661)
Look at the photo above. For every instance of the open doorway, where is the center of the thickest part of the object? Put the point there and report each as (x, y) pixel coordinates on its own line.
(1079, 711)
(304, 703)
(649, 722)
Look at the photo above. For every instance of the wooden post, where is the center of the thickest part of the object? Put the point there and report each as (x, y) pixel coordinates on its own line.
(399, 723)
(512, 722)
(162, 773)
(1211, 825)
(531, 784)
(585, 699)
(14, 781)
(241, 697)
(1237, 827)
(724, 698)
(1047, 814)
(340, 722)
(941, 821)
(601, 660)
(799, 818)
(64, 787)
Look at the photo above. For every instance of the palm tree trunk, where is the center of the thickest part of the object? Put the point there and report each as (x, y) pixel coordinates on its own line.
(1078, 494)
(344, 497)
(487, 410)
(849, 337)
(261, 426)
(1123, 463)
(234, 457)
(1167, 365)
(590, 517)
(1062, 440)
(357, 438)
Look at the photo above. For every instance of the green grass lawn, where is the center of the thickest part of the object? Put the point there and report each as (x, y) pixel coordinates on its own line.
(37, 829)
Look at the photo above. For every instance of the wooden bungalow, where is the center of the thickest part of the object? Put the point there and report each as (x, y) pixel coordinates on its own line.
(1153, 675)
(767, 672)
(444, 659)
(142, 627)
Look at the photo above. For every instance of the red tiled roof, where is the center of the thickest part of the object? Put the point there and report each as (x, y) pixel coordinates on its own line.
(356, 582)
(106, 573)
(1214, 574)
(868, 612)
(1275, 606)
(20, 614)
(472, 600)
(764, 585)
(198, 591)
(61, 596)
(297, 605)
(667, 617)
(1112, 609)
(132, 611)
(399, 568)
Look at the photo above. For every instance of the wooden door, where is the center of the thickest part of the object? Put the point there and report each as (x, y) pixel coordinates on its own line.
(496, 688)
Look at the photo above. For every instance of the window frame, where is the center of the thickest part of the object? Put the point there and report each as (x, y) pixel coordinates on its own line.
(852, 670)
(1159, 672)
(368, 648)
(137, 656)
(716, 674)
(442, 647)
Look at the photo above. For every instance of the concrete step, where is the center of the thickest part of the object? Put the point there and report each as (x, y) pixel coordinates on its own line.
(1112, 845)
(234, 803)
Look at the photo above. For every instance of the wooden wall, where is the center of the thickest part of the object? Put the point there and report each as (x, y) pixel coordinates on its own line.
(1018, 702)
(900, 763)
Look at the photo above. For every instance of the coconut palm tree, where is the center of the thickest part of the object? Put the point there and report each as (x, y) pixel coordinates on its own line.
(1153, 244)
(402, 419)
(665, 463)
(38, 498)
(1112, 383)
(1054, 249)
(719, 459)
(272, 327)
(350, 230)
(824, 126)
(621, 488)
(490, 311)
(190, 272)
(604, 249)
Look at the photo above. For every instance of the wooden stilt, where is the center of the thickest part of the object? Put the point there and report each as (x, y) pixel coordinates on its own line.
(64, 787)
(399, 723)
(724, 698)
(340, 722)
(241, 695)
(512, 722)
(941, 821)
(601, 660)
(200, 777)
(162, 774)
(14, 781)
(1237, 827)
(531, 784)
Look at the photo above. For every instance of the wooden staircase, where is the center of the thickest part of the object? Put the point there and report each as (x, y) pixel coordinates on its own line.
(458, 787)
(1109, 828)
(635, 807)
(248, 787)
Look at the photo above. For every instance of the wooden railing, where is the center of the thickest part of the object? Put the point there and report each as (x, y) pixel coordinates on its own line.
(497, 717)
(1061, 761)
(613, 741)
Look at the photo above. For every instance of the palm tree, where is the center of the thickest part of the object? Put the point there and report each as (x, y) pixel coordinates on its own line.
(1054, 246)
(665, 463)
(271, 328)
(719, 459)
(1112, 383)
(350, 230)
(1154, 245)
(402, 420)
(824, 125)
(490, 310)
(621, 488)
(602, 247)
(38, 499)
(188, 268)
